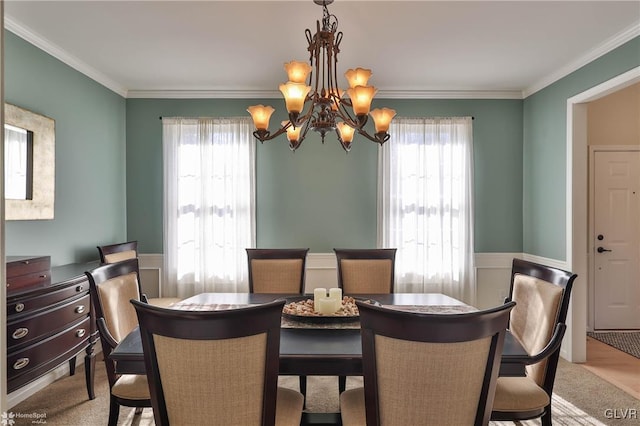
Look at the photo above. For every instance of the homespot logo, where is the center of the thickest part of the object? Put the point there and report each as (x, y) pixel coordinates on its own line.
(9, 419)
(621, 413)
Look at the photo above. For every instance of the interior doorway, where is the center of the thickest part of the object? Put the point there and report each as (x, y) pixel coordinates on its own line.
(577, 208)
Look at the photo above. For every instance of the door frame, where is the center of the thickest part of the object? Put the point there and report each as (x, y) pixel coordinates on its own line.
(592, 232)
(575, 348)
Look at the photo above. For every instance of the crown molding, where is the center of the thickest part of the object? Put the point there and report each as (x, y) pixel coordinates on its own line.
(43, 44)
(604, 48)
(203, 94)
(267, 94)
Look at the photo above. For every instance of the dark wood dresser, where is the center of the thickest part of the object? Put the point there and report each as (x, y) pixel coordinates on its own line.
(50, 319)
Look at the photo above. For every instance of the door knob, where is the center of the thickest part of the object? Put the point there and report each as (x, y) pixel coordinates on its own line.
(602, 249)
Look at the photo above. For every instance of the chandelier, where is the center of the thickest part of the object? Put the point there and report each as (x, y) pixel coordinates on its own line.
(313, 86)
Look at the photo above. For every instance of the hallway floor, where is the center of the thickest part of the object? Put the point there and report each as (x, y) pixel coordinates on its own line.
(617, 367)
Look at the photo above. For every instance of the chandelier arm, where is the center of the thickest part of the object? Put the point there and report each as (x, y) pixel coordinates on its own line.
(301, 120)
(315, 55)
(345, 116)
(265, 135)
(305, 129)
(379, 138)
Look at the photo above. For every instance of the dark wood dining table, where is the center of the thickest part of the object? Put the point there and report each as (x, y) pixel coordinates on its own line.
(308, 349)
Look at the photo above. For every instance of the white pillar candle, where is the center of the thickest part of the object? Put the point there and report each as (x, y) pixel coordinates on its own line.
(318, 293)
(335, 294)
(326, 306)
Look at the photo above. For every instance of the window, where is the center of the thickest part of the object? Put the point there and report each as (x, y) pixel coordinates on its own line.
(425, 204)
(209, 206)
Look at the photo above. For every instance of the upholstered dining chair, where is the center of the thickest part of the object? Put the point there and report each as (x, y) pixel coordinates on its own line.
(366, 270)
(278, 271)
(538, 321)
(112, 286)
(216, 367)
(112, 253)
(426, 369)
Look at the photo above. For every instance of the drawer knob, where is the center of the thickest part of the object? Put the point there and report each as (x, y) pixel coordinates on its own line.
(19, 307)
(43, 276)
(80, 333)
(26, 262)
(21, 363)
(79, 288)
(20, 333)
(79, 309)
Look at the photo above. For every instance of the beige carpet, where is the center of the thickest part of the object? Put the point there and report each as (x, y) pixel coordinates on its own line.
(65, 402)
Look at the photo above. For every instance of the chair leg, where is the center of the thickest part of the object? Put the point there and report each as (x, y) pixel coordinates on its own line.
(303, 389)
(114, 411)
(342, 384)
(546, 417)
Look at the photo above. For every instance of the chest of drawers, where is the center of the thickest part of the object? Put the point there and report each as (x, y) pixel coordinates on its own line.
(25, 272)
(49, 320)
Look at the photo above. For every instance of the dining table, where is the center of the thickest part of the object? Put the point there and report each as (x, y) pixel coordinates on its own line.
(323, 348)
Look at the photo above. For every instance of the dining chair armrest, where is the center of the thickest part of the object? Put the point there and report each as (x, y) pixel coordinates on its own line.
(104, 332)
(552, 346)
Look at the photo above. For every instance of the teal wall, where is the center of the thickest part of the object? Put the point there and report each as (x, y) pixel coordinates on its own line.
(545, 150)
(90, 156)
(317, 197)
(320, 197)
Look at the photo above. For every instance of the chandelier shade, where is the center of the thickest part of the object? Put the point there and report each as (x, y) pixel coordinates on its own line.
(314, 100)
(261, 115)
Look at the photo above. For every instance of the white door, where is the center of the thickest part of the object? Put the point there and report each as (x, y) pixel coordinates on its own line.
(617, 240)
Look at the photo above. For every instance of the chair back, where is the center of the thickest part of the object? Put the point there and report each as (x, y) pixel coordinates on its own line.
(113, 253)
(430, 368)
(212, 367)
(277, 270)
(542, 295)
(112, 286)
(366, 271)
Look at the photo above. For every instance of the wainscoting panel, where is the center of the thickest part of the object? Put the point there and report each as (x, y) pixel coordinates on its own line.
(493, 272)
(151, 274)
(321, 271)
(493, 276)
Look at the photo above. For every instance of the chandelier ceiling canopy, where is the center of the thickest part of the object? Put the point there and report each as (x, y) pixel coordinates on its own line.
(314, 100)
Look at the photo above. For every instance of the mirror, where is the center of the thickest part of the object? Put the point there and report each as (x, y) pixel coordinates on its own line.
(29, 164)
(18, 164)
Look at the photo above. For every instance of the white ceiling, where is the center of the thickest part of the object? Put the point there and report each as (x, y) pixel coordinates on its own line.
(500, 49)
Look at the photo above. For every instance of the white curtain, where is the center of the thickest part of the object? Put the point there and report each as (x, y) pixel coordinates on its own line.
(209, 204)
(425, 205)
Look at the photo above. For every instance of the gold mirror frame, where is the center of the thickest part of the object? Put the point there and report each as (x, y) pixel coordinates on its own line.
(44, 149)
